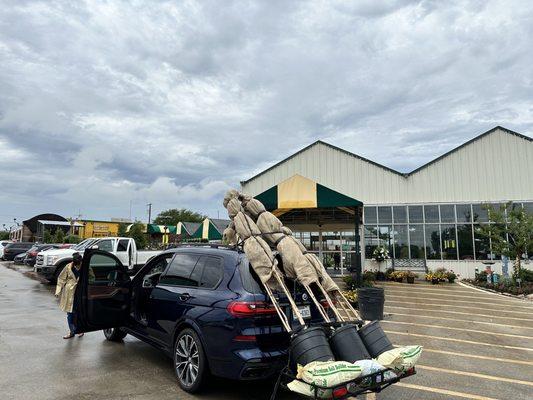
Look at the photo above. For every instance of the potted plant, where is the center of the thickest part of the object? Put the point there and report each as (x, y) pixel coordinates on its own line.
(380, 276)
(389, 274)
(351, 296)
(433, 278)
(380, 254)
(411, 276)
(397, 276)
(451, 276)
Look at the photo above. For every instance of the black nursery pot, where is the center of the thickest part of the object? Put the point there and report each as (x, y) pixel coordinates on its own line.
(347, 345)
(310, 345)
(374, 339)
(410, 279)
(371, 303)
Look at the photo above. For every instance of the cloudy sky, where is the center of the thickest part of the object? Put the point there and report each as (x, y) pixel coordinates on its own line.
(104, 104)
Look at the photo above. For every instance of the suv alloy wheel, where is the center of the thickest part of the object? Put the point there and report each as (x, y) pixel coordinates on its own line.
(114, 334)
(189, 361)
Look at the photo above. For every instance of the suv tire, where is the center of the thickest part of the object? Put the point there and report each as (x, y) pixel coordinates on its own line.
(190, 363)
(114, 334)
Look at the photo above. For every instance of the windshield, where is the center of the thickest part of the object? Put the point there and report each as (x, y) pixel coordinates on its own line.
(84, 244)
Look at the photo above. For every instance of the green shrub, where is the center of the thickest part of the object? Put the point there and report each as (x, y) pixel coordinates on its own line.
(525, 275)
(351, 282)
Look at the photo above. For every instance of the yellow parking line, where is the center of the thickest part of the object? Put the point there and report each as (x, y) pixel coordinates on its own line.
(443, 391)
(462, 320)
(474, 375)
(459, 312)
(461, 340)
(453, 353)
(484, 303)
(468, 308)
(458, 329)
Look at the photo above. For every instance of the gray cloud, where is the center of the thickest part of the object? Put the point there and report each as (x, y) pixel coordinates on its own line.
(103, 103)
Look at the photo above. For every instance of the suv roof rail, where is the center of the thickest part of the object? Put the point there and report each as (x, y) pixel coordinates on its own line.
(211, 245)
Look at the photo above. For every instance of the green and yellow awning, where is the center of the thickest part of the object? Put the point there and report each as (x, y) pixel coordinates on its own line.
(162, 229)
(207, 231)
(299, 192)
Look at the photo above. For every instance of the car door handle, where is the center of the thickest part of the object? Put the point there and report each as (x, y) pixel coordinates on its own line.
(184, 296)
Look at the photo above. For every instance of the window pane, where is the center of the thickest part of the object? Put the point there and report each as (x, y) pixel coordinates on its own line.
(103, 269)
(370, 215)
(464, 213)
(400, 214)
(122, 245)
(416, 238)
(105, 245)
(385, 237)
(385, 215)
(496, 255)
(401, 249)
(449, 244)
(212, 272)
(481, 245)
(371, 240)
(431, 213)
(464, 237)
(447, 213)
(480, 214)
(433, 242)
(416, 214)
(180, 270)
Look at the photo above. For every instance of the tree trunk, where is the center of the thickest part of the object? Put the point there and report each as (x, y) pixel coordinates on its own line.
(516, 267)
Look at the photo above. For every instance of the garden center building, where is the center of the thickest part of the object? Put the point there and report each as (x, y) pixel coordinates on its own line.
(430, 214)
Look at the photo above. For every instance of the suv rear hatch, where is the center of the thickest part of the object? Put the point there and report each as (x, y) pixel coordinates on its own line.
(265, 324)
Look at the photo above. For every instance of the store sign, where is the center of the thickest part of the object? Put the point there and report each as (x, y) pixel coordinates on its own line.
(100, 228)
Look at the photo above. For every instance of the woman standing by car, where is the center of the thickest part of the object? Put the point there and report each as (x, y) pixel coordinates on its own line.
(65, 289)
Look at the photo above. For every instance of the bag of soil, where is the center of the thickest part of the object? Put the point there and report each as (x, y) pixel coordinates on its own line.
(308, 390)
(400, 359)
(328, 373)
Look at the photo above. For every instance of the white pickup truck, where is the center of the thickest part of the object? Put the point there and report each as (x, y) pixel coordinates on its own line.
(50, 263)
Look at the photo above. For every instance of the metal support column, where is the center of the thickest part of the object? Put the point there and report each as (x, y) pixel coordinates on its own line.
(357, 254)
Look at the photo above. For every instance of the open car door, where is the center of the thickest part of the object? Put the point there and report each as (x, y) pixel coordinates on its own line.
(103, 293)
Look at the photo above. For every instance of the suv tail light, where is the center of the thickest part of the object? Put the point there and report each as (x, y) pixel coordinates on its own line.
(33, 254)
(243, 309)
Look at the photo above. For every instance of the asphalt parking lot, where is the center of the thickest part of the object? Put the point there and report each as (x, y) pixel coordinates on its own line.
(476, 346)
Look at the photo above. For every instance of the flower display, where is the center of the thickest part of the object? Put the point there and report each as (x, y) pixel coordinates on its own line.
(380, 254)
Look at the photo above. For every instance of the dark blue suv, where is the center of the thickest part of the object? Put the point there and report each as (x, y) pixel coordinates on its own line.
(201, 305)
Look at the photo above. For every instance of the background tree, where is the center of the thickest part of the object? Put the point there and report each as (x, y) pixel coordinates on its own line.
(59, 236)
(174, 215)
(47, 236)
(73, 239)
(511, 232)
(137, 233)
(122, 229)
(4, 235)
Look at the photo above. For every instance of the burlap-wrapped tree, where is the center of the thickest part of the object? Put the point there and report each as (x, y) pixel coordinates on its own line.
(259, 255)
(298, 264)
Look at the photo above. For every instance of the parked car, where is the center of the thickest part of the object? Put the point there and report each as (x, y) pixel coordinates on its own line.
(19, 258)
(201, 305)
(12, 249)
(31, 255)
(50, 263)
(3, 244)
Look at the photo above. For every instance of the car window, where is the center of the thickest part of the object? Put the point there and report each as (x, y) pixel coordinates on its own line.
(212, 272)
(123, 245)
(105, 245)
(180, 271)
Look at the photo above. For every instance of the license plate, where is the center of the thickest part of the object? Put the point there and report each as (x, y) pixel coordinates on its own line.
(305, 311)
